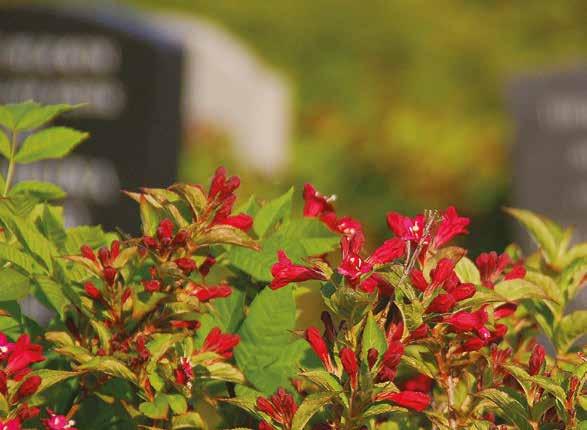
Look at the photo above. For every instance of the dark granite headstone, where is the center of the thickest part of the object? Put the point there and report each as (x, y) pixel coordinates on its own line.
(130, 76)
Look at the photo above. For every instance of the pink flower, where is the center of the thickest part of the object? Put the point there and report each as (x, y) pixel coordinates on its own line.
(285, 272)
(450, 226)
(13, 424)
(6, 347)
(222, 344)
(350, 366)
(409, 399)
(58, 422)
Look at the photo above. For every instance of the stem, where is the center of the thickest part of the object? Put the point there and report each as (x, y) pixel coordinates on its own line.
(11, 163)
(451, 400)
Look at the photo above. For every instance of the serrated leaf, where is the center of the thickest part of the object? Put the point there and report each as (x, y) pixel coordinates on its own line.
(570, 329)
(13, 285)
(42, 191)
(417, 363)
(54, 142)
(227, 235)
(309, 407)
(61, 338)
(509, 408)
(103, 333)
(13, 255)
(92, 236)
(4, 145)
(273, 212)
(326, 382)
(109, 366)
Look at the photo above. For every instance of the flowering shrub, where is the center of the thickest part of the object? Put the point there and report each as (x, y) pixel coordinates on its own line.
(198, 322)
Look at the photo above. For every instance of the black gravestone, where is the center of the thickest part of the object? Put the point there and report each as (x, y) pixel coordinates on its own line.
(550, 155)
(130, 76)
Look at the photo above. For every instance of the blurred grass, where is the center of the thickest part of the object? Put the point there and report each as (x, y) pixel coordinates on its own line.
(398, 104)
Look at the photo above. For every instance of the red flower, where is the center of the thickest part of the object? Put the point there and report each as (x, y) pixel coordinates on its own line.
(353, 266)
(285, 272)
(536, 360)
(184, 373)
(109, 274)
(151, 285)
(467, 321)
(350, 366)
(241, 221)
(264, 425)
(192, 325)
(58, 422)
(393, 354)
(442, 303)
(421, 332)
(450, 226)
(205, 294)
(92, 291)
(205, 267)
(316, 204)
(491, 267)
(222, 187)
(3, 383)
(28, 387)
(375, 281)
(389, 251)
(23, 354)
(463, 291)
(372, 356)
(409, 399)
(406, 228)
(421, 383)
(222, 344)
(186, 265)
(13, 424)
(319, 346)
(281, 407)
(88, 252)
(5, 346)
(444, 269)
(418, 280)
(165, 230)
(504, 310)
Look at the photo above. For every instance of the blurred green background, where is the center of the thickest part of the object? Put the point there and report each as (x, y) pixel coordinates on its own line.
(399, 105)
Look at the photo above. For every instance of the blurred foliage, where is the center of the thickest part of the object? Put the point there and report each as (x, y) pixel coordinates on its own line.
(399, 104)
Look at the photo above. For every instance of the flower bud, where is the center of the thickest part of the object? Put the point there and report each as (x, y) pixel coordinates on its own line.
(109, 275)
(104, 256)
(180, 238)
(92, 291)
(372, 356)
(319, 346)
(409, 399)
(88, 252)
(151, 285)
(186, 265)
(28, 387)
(350, 366)
(536, 360)
(3, 383)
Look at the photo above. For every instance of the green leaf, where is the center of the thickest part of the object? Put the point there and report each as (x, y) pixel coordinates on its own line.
(509, 407)
(51, 377)
(222, 371)
(54, 142)
(11, 114)
(12, 254)
(4, 145)
(273, 212)
(40, 190)
(572, 277)
(266, 352)
(51, 225)
(53, 294)
(570, 329)
(6, 117)
(109, 366)
(157, 409)
(226, 234)
(13, 285)
(376, 409)
(93, 236)
(415, 360)
(194, 196)
(29, 237)
(103, 333)
(467, 271)
(519, 289)
(177, 403)
(309, 407)
(543, 231)
(41, 115)
(191, 420)
(326, 382)
(373, 337)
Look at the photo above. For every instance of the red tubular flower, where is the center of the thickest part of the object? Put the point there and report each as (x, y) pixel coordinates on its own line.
(26, 412)
(409, 399)
(13, 424)
(463, 321)
(421, 383)
(393, 354)
(375, 281)
(186, 265)
(347, 226)
(389, 251)
(205, 267)
(350, 366)
(3, 383)
(28, 387)
(450, 226)
(372, 356)
(151, 285)
(418, 280)
(264, 425)
(222, 344)
(88, 252)
(316, 341)
(536, 360)
(441, 304)
(285, 272)
(165, 230)
(109, 274)
(180, 238)
(205, 294)
(463, 291)
(472, 344)
(444, 269)
(281, 407)
(316, 204)
(92, 291)
(504, 311)
(353, 266)
(421, 332)
(518, 271)
(243, 222)
(184, 373)
(23, 354)
(222, 187)
(191, 325)
(406, 228)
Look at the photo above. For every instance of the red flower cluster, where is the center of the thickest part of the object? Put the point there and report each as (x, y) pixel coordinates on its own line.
(472, 324)
(165, 241)
(221, 344)
(492, 268)
(104, 261)
(280, 407)
(221, 196)
(285, 272)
